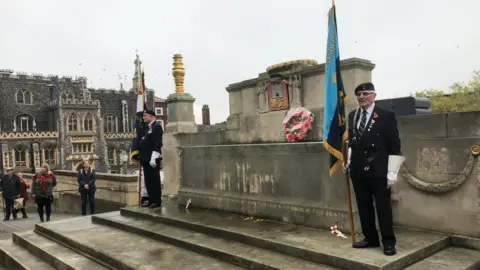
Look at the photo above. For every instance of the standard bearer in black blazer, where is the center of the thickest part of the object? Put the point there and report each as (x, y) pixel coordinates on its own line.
(150, 157)
(373, 137)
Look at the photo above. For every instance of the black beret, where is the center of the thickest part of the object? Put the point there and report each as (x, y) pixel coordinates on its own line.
(368, 86)
(150, 112)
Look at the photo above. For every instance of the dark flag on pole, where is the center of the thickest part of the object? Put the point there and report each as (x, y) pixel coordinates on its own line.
(334, 124)
(139, 122)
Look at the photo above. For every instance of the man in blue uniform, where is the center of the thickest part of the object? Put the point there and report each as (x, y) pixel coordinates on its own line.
(150, 158)
(373, 139)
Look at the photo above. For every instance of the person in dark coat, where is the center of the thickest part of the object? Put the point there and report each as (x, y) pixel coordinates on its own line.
(373, 137)
(86, 186)
(42, 190)
(23, 194)
(11, 187)
(150, 158)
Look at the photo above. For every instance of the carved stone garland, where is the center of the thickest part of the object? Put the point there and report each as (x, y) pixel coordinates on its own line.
(446, 186)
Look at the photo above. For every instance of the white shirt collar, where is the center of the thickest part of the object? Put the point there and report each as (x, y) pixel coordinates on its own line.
(370, 109)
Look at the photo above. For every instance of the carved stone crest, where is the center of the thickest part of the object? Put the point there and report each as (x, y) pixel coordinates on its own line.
(277, 90)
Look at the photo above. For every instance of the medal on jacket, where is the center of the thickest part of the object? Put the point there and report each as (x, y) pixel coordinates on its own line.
(366, 168)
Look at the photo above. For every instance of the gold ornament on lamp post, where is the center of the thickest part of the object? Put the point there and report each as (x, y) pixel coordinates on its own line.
(178, 73)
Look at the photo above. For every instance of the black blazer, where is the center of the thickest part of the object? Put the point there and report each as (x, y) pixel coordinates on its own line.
(11, 187)
(152, 141)
(370, 151)
(86, 177)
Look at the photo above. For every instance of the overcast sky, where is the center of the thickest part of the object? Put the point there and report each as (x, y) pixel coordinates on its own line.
(415, 44)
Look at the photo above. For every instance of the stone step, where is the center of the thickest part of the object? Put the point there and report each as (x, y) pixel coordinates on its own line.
(123, 250)
(238, 253)
(54, 253)
(15, 257)
(316, 245)
(451, 258)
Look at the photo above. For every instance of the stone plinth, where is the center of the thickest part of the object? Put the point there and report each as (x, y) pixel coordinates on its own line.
(251, 120)
(180, 113)
(180, 120)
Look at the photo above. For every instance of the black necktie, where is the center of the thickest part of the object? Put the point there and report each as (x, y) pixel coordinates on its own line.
(363, 122)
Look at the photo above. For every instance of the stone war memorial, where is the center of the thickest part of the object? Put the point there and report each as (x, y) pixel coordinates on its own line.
(245, 197)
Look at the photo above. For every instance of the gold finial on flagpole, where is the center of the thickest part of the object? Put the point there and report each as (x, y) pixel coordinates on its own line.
(333, 2)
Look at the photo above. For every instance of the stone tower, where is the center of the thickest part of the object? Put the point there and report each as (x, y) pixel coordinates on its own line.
(205, 115)
(81, 128)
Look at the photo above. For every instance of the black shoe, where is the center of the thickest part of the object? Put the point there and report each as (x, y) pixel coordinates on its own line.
(389, 250)
(365, 244)
(25, 216)
(41, 220)
(14, 217)
(48, 219)
(155, 205)
(145, 205)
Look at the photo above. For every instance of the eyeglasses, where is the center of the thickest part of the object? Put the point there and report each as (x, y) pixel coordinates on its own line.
(364, 93)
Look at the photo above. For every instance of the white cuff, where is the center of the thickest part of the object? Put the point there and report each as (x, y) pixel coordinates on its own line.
(349, 155)
(155, 155)
(392, 176)
(394, 164)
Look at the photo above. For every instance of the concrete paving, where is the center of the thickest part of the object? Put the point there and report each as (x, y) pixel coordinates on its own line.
(177, 238)
(22, 224)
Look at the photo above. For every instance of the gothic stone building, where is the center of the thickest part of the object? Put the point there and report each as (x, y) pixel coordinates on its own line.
(60, 121)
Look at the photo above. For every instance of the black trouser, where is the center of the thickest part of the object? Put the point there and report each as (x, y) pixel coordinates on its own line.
(152, 182)
(44, 202)
(366, 189)
(91, 202)
(9, 208)
(24, 213)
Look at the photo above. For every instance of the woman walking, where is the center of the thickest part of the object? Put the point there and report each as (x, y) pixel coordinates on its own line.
(86, 186)
(23, 194)
(42, 189)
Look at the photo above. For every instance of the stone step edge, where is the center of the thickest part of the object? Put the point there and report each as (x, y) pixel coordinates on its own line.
(10, 261)
(40, 253)
(298, 252)
(94, 255)
(46, 256)
(195, 247)
(285, 249)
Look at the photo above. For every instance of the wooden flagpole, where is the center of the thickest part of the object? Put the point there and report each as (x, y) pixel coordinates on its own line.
(140, 84)
(349, 197)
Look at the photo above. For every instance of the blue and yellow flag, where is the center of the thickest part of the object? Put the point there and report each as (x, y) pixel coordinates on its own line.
(334, 125)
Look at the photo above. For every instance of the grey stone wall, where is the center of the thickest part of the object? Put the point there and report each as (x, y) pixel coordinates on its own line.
(287, 182)
(438, 189)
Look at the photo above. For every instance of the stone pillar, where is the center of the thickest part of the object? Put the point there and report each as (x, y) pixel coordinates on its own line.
(205, 115)
(180, 120)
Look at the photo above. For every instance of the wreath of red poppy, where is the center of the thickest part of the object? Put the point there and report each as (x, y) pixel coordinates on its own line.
(297, 124)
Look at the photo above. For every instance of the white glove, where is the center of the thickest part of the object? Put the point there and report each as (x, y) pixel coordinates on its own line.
(394, 163)
(347, 166)
(391, 179)
(153, 159)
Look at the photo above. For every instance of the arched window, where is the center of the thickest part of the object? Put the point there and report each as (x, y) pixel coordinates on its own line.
(50, 155)
(111, 156)
(72, 122)
(21, 156)
(88, 122)
(110, 123)
(24, 97)
(23, 123)
(66, 97)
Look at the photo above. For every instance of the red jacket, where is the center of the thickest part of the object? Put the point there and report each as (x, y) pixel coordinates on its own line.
(24, 192)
